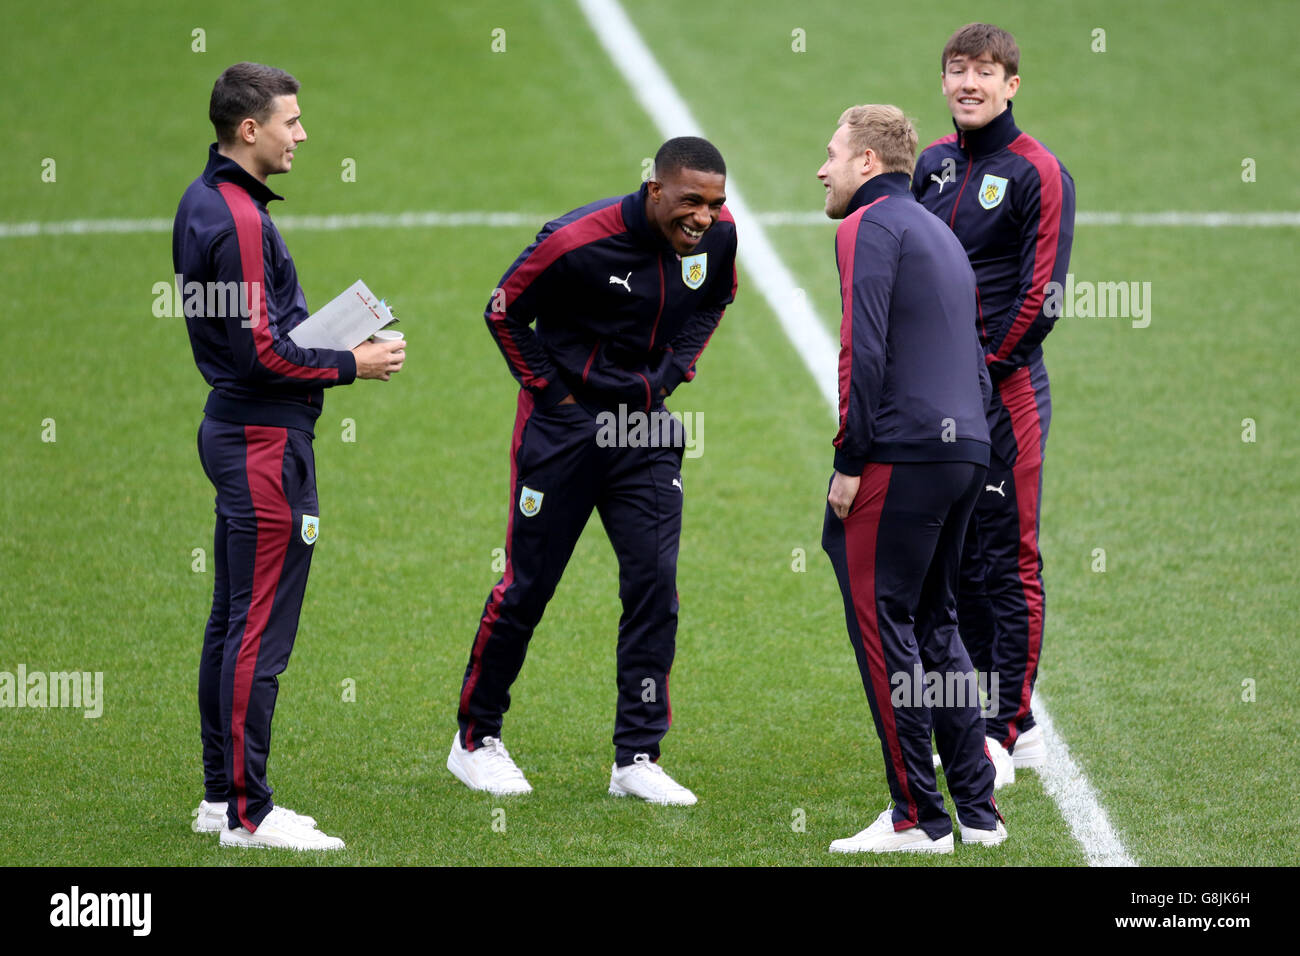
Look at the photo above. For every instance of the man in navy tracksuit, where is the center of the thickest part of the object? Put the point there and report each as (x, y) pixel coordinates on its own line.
(625, 294)
(1011, 203)
(910, 458)
(255, 443)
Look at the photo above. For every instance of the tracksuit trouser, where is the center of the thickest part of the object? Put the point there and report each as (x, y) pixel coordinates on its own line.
(1000, 599)
(267, 523)
(896, 557)
(562, 467)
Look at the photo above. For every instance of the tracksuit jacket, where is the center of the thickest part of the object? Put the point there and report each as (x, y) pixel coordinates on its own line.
(913, 386)
(987, 184)
(617, 318)
(257, 374)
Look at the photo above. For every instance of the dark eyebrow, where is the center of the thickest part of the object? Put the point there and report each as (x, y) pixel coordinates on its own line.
(293, 119)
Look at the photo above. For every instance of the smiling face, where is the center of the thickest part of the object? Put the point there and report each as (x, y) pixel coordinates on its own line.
(274, 141)
(977, 89)
(843, 172)
(684, 205)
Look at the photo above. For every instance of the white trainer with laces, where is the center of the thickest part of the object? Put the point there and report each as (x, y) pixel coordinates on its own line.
(982, 837)
(487, 767)
(646, 779)
(211, 817)
(281, 830)
(881, 837)
(1030, 749)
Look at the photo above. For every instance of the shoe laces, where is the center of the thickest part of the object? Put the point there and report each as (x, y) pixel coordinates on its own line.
(643, 761)
(495, 751)
(285, 817)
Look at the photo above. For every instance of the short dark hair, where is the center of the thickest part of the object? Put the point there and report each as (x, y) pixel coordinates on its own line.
(976, 39)
(688, 152)
(246, 90)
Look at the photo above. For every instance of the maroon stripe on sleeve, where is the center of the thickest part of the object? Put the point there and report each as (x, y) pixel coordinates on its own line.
(943, 141)
(846, 244)
(1047, 242)
(248, 233)
(604, 222)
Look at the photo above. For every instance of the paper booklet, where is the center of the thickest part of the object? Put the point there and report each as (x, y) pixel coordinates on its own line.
(345, 321)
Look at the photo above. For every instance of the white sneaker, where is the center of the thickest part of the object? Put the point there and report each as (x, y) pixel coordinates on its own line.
(211, 817)
(1004, 768)
(983, 837)
(487, 767)
(281, 829)
(1030, 749)
(646, 779)
(881, 837)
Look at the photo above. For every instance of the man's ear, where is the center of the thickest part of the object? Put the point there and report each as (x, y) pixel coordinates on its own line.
(247, 130)
(1014, 83)
(656, 188)
(869, 159)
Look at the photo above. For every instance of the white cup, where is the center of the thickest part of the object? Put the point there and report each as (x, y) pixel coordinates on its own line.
(387, 335)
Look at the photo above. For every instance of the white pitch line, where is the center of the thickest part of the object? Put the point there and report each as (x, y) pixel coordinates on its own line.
(1062, 777)
(436, 219)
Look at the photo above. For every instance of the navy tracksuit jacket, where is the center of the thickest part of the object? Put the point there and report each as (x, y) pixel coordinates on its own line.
(619, 316)
(913, 387)
(255, 447)
(1011, 203)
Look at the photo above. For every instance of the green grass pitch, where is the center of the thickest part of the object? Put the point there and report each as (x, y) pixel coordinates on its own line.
(1145, 665)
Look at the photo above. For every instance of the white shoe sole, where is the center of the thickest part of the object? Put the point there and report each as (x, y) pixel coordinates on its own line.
(942, 845)
(616, 790)
(250, 842)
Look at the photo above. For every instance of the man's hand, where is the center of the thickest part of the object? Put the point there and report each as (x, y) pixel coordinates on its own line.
(379, 359)
(844, 488)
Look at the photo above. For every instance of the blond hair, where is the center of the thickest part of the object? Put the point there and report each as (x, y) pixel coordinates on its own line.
(885, 130)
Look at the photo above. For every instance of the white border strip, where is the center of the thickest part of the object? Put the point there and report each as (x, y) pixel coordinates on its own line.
(434, 219)
(1062, 777)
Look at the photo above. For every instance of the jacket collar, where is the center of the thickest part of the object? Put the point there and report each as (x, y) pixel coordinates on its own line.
(987, 140)
(634, 218)
(223, 169)
(885, 184)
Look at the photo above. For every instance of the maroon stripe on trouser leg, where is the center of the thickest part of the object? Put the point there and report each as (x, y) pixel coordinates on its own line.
(524, 409)
(860, 531)
(1021, 402)
(264, 468)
